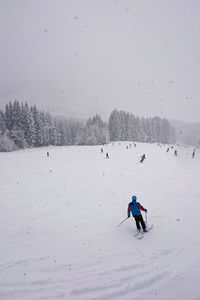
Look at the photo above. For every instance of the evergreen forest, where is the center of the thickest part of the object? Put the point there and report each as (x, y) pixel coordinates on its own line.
(24, 126)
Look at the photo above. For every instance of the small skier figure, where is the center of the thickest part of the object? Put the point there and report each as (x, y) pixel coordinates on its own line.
(107, 156)
(134, 207)
(168, 149)
(101, 150)
(142, 158)
(175, 152)
(47, 154)
(193, 154)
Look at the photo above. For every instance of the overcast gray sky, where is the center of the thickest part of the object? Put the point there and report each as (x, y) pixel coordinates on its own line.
(81, 57)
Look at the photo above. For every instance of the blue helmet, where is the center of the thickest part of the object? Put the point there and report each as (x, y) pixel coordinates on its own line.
(134, 197)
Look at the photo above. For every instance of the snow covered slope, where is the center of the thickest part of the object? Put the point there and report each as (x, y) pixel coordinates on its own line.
(58, 223)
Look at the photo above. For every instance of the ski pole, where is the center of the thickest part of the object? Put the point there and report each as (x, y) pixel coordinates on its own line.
(146, 219)
(122, 222)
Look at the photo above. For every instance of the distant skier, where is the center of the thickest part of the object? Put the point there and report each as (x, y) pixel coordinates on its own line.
(107, 156)
(47, 154)
(168, 149)
(142, 158)
(175, 152)
(134, 207)
(193, 154)
(101, 150)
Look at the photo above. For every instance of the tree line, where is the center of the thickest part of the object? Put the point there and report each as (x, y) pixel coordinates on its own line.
(124, 126)
(24, 126)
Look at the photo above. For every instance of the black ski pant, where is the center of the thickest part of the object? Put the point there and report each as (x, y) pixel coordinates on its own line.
(139, 220)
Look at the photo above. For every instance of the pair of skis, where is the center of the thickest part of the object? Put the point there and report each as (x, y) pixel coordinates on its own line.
(140, 234)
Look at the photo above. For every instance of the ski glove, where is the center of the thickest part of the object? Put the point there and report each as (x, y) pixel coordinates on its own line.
(145, 210)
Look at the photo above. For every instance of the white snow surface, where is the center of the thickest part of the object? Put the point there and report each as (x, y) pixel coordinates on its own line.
(58, 223)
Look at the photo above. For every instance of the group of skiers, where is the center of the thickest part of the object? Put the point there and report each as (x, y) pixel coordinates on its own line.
(176, 153)
(107, 155)
(135, 207)
(141, 158)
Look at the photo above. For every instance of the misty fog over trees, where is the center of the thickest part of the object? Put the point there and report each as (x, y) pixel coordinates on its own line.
(124, 126)
(23, 126)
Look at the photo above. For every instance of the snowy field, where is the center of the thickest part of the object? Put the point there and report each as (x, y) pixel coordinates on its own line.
(58, 224)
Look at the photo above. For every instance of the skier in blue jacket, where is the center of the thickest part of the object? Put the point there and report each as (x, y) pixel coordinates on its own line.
(134, 207)
(142, 158)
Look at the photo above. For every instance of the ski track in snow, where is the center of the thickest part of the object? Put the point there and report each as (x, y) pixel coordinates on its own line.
(59, 215)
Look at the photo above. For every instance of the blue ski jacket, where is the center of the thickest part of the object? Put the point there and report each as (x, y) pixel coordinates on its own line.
(134, 207)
